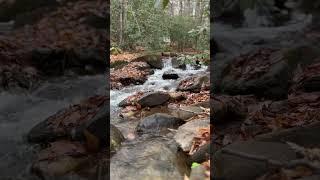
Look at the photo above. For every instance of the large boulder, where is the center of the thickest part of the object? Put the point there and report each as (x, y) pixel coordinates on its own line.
(185, 112)
(154, 60)
(158, 122)
(153, 99)
(178, 63)
(234, 167)
(60, 158)
(151, 159)
(89, 116)
(132, 73)
(194, 83)
(264, 73)
(186, 132)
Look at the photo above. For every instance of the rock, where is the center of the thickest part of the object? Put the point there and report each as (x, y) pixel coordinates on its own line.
(186, 132)
(60, 158)
(154, 60)
(14, 77)
(91, 115)
(153, 99)
(158, 122)
(151, 159)
(198, 173)
(228, 108)
(233, 167)
(132, 73)
(179, 64)
(193, 83)
(307, 79)
(170, 75)
(116, 138)
(185, 112)
(297, 110)
(203, 153)
(177, 96)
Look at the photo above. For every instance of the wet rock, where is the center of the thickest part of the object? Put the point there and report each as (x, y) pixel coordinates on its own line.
(154, 60)
(60, 158)
(233, 167)
(132, 73)
(116, 138)
(194, 83)
(186, 132)
(16, 77)
(170, 75)
(179, 64)
(185, 112)
(158, 122)
(91, 115)
(152, 159)
(153, 99)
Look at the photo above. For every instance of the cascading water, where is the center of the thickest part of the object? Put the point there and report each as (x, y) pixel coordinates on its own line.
(155, 82)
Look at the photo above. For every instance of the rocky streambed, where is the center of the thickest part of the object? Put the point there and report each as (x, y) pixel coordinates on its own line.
(265, 100)
(58, 129)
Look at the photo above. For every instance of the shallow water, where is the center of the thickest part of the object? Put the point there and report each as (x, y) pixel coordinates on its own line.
(126, 160)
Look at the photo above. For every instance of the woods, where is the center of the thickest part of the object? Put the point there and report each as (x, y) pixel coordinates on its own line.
(148, 24)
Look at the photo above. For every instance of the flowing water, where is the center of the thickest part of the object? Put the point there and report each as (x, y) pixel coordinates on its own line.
(20, 112)
(137, 157)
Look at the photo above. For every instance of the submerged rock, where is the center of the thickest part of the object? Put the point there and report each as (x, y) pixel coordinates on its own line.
(157, 123)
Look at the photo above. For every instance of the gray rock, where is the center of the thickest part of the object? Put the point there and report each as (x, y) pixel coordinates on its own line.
(152, 159)
(154, 60)
(158, 122)
(232, 167)
(187, 131)
(153, 99)
(185, 112)
(179, 64)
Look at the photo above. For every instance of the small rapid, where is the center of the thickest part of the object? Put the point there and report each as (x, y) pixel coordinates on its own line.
(155, 82)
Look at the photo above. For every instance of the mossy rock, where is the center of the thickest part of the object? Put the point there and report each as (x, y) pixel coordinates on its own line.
(153, 59)
(116, 138)
(118, 64)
